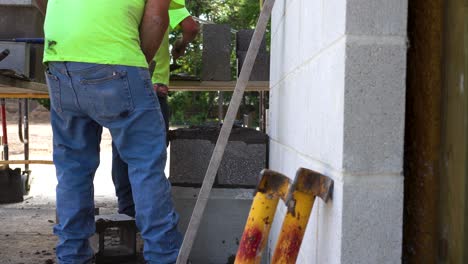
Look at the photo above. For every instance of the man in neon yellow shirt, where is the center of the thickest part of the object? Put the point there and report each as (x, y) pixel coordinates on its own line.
(97, 56)
(177, 16)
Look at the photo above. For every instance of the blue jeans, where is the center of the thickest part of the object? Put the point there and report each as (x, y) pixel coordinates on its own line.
(84, 98)
(123, 188)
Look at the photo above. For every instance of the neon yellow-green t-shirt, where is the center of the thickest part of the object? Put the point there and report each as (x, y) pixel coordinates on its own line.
(103, 32)
(177, 4)
(163, 59)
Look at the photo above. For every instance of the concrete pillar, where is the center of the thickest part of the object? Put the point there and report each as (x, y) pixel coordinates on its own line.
(337, 106)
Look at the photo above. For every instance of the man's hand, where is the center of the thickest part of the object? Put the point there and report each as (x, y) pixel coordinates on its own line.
(153, 26)
(190, 30)
(41, 5)
(178, 49)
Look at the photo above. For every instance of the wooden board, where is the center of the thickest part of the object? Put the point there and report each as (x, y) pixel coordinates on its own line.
(179, 85)
(13, 88)
(17, 93)
(11, 82)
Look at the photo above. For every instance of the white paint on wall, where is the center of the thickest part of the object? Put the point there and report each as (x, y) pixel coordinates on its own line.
(337, 106)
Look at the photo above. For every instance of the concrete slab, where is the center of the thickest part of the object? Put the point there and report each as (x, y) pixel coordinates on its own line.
(222, 224)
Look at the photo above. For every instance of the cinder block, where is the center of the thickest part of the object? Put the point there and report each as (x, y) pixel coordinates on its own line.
(261, 69)
(372, 219)
(242, 164)
(191, 149)
(216, 53)
(222, 224)
(374, 106)
(243, 38)
(19, 58)
(117, 238)
(305, 116)
(377, 17)
(189, 160)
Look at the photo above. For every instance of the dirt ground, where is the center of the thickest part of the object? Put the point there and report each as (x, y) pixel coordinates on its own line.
(26, 228)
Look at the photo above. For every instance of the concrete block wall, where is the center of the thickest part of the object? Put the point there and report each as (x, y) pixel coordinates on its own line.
(337, 106)
(244, 158)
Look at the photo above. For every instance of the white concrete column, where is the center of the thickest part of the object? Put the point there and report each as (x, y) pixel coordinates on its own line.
(337, 106)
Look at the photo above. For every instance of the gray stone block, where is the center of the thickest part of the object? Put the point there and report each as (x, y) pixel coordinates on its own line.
(374, 107)
(20, 21)
(372, 219)
(242, 164)
(243, 38)
(222, 224)
(19, 58)
(191, 149)
(377, 17)
(216, 56)
(116, 238)
(261, 69)
(189, 160)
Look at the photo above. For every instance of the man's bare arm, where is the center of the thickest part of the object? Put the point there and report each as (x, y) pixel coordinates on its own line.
(41, 5)
(153, 26)
(190, 29)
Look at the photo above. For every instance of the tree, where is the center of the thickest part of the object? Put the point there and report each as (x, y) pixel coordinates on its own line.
(195, 108)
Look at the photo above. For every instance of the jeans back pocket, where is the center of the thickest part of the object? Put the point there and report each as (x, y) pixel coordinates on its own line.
(108, 92)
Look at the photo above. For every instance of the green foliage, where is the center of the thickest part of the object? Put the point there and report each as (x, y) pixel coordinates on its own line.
(239, 14)
(44, 102)
(198, 107)
(191, 62)
(190, 108)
